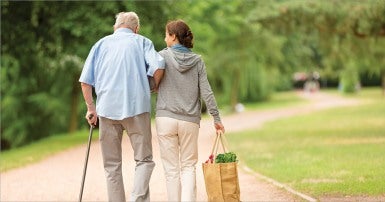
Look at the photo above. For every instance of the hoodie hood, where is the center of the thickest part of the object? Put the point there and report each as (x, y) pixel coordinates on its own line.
(185, 60)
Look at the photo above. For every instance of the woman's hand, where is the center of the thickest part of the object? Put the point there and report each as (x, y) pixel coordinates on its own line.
(219, 128)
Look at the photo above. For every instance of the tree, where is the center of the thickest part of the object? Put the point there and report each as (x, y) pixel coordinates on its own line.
(41, 60)
(233, 50)
(42, 57)
(340, 29)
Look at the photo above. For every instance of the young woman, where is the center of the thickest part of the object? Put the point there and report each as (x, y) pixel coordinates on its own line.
(178, 111)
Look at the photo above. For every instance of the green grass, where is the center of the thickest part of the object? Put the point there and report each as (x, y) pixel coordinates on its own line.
(39, 150)
(278, 100)
(336, 152)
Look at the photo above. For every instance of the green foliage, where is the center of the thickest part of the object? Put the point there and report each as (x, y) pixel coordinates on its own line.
(227, 157)
(328, 34)
(42, 56)
(236, 72)
(349, 81)
(41, 62)
(251, 49)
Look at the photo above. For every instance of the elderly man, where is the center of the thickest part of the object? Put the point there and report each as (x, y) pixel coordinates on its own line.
(118, 67)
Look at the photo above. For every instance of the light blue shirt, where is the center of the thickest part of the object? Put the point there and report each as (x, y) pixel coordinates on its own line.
(118, 66)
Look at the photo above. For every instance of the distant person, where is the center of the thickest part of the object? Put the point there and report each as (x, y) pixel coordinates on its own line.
(178, 111)
(118, 66)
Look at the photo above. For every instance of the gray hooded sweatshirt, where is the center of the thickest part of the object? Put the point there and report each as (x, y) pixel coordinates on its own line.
(183, 86)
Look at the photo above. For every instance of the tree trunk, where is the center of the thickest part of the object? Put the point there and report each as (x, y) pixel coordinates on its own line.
(383, 83)
(234, 89)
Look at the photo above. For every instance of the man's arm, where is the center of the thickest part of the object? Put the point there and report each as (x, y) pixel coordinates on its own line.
(91, 109)
(158, 75)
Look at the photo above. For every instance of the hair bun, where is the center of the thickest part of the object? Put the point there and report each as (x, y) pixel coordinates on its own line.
(188, 33)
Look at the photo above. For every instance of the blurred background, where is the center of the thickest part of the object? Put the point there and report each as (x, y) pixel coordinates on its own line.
(252, 49)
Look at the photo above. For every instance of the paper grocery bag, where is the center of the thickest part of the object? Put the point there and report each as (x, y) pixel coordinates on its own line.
(221, 179)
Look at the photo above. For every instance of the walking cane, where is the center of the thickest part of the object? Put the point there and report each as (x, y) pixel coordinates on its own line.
(86, 160)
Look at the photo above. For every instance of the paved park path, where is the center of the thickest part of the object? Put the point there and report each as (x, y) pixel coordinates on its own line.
(58, 177)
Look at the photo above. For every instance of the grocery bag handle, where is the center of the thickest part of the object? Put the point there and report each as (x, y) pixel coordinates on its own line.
(219, 137)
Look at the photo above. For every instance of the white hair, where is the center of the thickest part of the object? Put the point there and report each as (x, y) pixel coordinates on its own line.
(128, 19)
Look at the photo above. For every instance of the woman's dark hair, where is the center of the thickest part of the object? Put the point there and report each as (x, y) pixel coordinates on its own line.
(182, 32)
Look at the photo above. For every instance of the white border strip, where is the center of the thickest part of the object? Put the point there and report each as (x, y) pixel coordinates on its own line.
(278, 184)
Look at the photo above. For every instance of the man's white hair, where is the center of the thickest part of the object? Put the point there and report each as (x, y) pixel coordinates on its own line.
(129, 19)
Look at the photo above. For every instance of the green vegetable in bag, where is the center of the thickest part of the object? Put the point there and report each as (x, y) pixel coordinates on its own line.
(226, 158)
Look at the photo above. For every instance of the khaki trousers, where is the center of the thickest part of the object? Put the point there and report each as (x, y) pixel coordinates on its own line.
(178, 142)
(138, 129)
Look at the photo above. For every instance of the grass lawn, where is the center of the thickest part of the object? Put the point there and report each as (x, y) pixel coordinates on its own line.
(336, 152)
(278, 100)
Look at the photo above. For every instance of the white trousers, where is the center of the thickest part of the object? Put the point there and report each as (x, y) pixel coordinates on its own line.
(178, 142)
